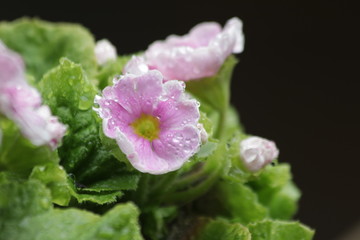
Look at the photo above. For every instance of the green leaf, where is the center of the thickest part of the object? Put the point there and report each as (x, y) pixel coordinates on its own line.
(63, 188)
(276, 191)
(207, 149)
(239, 202)
(67, 86)
(42, 44)
(18, 154)
(280, 230)
(70, 96)
(19, 200)
(55, 179)
(26, 212)
(283, 204)
(220, 229)
(107, 72)
(155, 221)
(125, 181)
(90, 195)
(214, 90)
(274, 176)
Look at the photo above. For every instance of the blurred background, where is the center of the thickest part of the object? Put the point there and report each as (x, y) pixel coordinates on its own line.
(297, 83)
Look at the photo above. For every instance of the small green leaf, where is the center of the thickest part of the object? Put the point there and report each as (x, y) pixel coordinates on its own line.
(280, 230)
(239, 202)
(220, 229)
(125, 181)
(18, 154)
(274, 176)
(95, 196)
(63, 188)
(283, 204)
(276, 191)
(55, 179)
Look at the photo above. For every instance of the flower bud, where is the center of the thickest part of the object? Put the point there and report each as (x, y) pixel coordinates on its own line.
(257, 152)
(104, 51)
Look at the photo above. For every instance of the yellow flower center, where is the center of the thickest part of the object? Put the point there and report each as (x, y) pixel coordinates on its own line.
(147, 126)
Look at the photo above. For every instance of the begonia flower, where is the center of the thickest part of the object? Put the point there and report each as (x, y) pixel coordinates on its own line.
(198, 54)
(21, 103)
(154, 123)
(257, 152)
(104, 51)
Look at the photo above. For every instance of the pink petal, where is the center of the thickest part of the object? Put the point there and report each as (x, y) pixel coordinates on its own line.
(11, 67)
(138, 94)
(176, 114)
(115, 116)
(177, 145)
(22, 103)
(199, 36)
(198, 54)
(141, 155)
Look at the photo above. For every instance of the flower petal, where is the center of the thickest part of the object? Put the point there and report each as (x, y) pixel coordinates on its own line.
(177, 145)
(176, 114)
(11, 67)
(114, 115)
(22, 103)
(198, 54)
(138, 94)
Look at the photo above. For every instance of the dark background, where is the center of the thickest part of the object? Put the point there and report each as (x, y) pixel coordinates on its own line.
(297, 82)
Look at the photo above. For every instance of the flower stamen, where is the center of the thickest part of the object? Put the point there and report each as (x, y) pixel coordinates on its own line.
(147, 126)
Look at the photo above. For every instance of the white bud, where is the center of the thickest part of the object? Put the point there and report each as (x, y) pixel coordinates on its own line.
(104, 51)
(136, 66)
(203, 134)
(257, 152)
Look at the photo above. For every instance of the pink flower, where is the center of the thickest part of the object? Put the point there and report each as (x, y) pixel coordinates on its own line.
(154, 123)
(104, 51)
(257, 152)
(198, 54)
(22, 103)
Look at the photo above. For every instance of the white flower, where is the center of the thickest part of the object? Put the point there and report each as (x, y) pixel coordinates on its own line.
(104, 51)
(257, 152)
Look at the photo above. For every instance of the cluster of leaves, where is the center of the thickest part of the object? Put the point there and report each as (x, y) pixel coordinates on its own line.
(86, 188)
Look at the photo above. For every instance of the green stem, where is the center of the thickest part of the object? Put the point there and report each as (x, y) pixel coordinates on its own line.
(188, 195)
(187, 180)
(223, 113)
